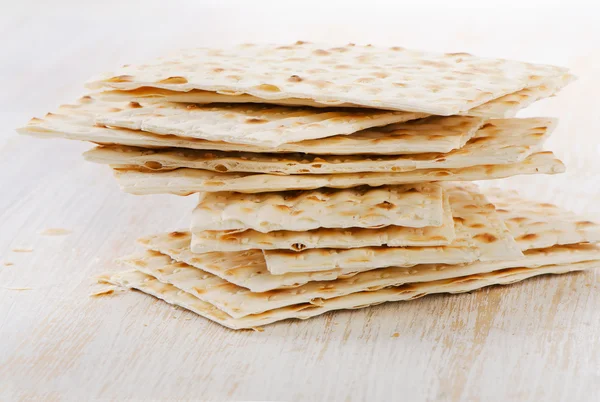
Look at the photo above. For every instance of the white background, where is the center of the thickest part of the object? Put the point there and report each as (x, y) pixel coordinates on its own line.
(535, 341)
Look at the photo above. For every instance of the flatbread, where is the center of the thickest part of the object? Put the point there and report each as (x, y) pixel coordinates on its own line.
(239, 302)
(498, 142)
(254, 124)
(480, 236)
(248, 268)
(433, 134)
(136, 280)
(540, 225)
(500, 108)
(412, 205)
(391, 236)
(385, 78)
(509, 105)
(188, 181)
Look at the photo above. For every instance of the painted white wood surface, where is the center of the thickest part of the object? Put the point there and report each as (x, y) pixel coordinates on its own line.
(538, 340)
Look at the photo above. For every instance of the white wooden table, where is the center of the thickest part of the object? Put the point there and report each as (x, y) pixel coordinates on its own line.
(534, 341)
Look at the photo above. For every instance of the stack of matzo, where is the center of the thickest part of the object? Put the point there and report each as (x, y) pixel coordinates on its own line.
(328, 177)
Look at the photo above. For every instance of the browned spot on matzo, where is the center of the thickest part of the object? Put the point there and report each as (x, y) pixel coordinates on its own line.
(174, 80)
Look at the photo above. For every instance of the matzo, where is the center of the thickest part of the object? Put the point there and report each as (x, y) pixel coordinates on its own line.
(540, 225)
(433, 134)
(248, 269)
(262, 125)
(509, 105)
(386, 78)
(391, 236)
(480, 236)
(412, 205)
(238, 301)
(503, 107)
(188, 181)
(173, 295)
(498, 142)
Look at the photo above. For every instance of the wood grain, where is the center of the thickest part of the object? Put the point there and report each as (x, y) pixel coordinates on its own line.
(532, 341)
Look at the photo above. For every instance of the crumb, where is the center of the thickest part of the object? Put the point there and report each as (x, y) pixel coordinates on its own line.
(22, 250)
(187, 319)
(104, 278)
(8, 264)
(395, 335)
(54, 232)
(16, 288)
(103, 292)
(175, 317)
(145, 325)
(258, 329)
